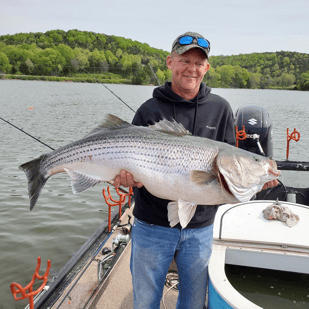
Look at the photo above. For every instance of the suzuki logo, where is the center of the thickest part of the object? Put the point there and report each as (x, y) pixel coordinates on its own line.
(252, 121)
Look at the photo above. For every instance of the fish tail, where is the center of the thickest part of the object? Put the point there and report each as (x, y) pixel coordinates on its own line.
(36, 179)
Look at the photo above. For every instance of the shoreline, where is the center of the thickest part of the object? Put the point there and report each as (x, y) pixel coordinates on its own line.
(77, 79)
(95, 80)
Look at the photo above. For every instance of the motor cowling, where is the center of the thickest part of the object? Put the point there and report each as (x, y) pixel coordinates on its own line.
(258, 128)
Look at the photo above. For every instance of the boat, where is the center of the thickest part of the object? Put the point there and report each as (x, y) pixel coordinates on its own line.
(98, 274)
(243, 237)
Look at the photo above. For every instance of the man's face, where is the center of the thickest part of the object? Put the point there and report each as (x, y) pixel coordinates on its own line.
(188, 71)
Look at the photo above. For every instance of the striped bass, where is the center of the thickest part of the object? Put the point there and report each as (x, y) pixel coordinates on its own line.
(170, 162)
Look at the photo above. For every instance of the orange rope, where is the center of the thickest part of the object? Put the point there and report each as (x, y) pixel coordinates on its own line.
(295, 136)
(17, 288)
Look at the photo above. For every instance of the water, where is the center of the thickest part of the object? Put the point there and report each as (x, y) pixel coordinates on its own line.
(60, 113)
(277, 289)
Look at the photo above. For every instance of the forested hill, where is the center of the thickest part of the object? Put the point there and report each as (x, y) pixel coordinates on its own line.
(63, 54)
(261, 70)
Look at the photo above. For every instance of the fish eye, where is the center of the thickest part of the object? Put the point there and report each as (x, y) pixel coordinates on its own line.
(256, 159)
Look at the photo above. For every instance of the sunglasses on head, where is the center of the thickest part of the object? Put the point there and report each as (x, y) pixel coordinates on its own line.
(188, 39)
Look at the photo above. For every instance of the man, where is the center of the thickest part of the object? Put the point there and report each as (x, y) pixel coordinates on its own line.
(154, 243)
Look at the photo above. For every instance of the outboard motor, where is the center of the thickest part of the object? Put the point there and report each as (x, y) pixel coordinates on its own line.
(258, 128)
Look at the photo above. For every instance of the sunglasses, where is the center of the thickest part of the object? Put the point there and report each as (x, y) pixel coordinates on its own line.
(188, 39)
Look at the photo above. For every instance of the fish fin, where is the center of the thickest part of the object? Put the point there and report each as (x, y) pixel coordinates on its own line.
(243, 194)
(201, 177)
(170, 127)
(172, 213)
(36, 179)
(111, 123)
(81, 182)
(186, 211)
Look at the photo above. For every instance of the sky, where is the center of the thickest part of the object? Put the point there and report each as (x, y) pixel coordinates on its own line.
(233, 27)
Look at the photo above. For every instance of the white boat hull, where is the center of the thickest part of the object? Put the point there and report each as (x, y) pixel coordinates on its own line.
(243, 237)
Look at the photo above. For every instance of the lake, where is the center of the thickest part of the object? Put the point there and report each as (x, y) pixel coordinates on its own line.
(59, 113)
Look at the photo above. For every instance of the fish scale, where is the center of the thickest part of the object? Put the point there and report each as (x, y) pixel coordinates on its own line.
(171, 164)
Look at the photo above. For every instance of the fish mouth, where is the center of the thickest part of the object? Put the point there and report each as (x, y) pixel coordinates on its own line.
(274, 172)
(273, 168)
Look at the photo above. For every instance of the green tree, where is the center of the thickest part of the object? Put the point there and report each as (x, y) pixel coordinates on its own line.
(55, 36)
(227, 74)
(275, 70)
(5, 66)
(48, 61)
(80, 60)
(97, 60)
(14, 54)
(266, 72)
(27, 67)
(287, 80)
(240, 78)
(255, 80)
(212, 78)
(44, 42)
(125, 64)
(168, 75)
(141, 74)
(161, 76)
(304, 81)
(66, 51)
(119, 53)
(111, 58)
(82, 49)
(68, 54)
(100, 41)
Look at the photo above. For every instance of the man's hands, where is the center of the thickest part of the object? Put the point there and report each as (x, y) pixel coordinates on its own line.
(270, 184)
(125, 179)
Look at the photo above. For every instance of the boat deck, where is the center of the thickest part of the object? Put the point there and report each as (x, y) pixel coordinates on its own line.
(241, 237)
(115, 292)
(245, 222)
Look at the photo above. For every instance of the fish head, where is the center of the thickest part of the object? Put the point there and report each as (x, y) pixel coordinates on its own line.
(245, 173)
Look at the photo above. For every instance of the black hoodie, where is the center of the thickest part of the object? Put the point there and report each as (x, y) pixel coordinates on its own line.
(206, 115)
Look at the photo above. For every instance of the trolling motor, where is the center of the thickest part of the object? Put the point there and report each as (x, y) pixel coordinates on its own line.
(258, 127)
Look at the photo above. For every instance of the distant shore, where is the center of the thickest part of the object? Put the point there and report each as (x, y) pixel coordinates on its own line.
(73, 79)
(90, 79)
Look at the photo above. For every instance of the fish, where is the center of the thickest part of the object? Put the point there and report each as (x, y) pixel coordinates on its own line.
(171, 163)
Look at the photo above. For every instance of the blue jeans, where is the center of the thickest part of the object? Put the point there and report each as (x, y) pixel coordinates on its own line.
(153, 249)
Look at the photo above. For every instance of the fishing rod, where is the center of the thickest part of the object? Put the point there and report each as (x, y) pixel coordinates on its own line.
(102, 85)
(48, 145)
(109, 182)
(153, 72)
(111, 91)
(26, 133)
